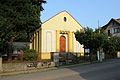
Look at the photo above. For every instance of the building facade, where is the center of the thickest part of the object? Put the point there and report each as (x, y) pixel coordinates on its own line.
(112, 28)
(57, 35)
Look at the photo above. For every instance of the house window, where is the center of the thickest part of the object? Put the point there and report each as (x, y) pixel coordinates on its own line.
(108, 32)
(116, 30)
(113, 24)
(65, 19)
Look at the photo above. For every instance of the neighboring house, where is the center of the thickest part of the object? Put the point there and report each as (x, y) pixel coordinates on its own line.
(112, 28)
(57, 35)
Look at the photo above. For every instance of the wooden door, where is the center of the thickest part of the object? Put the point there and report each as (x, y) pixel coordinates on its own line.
(62, 44)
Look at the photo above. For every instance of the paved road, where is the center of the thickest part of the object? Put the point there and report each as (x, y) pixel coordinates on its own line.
(109, 70)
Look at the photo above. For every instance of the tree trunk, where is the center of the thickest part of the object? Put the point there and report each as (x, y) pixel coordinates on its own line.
(84, 53)
(10, 49)
(91, 53)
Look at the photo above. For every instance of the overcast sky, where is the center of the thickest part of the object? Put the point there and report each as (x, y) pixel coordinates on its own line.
(86, 12)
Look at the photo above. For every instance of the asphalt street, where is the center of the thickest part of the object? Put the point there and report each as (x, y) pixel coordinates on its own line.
(108, 70)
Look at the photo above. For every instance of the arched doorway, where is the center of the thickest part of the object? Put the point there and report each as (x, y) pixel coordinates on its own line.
(62, 44)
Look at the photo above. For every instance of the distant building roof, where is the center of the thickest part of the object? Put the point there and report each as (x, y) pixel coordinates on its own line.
(115, 20)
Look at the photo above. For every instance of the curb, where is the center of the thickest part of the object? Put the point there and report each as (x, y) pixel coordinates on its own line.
(73, 65)
(26, 71)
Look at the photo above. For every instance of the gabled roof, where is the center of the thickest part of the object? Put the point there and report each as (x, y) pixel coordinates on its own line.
(61, 13)
(54, 23)
(115, 20)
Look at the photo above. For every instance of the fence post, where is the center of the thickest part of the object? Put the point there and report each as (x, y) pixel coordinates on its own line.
(0, 64)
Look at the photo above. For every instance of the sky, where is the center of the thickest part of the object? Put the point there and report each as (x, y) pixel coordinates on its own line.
(87, 12)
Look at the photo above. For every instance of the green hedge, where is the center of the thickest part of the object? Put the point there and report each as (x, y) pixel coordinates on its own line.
(29, 55)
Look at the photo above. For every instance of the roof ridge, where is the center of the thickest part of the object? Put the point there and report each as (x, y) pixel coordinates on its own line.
(118, 18)
(54, 15)
(60, 13)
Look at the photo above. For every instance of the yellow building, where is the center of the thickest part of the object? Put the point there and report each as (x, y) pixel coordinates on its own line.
(57, 35)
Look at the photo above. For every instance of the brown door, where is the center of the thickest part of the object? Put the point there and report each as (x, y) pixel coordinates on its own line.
(62, 44)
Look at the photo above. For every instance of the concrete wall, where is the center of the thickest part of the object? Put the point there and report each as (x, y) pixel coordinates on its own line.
(8, 67)
(14, 67)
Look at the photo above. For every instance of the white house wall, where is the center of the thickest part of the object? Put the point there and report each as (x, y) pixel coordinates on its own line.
(48, 41)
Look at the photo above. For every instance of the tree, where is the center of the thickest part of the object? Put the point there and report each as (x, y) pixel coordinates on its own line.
(112, 45)
(39, 3)
(18, 19)
(93, 40)
(85, 38)
(97, 40)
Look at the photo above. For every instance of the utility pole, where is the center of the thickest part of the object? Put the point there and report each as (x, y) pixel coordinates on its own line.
(100, 52)
(98, 27)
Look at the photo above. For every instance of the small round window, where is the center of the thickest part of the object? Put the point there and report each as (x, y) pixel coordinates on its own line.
(65, 19)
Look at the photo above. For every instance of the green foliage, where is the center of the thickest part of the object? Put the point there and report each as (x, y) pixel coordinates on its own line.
(18, 19)
(85, 37)
(98, 40)
(91, 39)
(39, 2)
(112, 45)
(29, 55)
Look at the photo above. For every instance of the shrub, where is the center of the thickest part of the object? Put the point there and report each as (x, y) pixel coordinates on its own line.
(29, 55)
